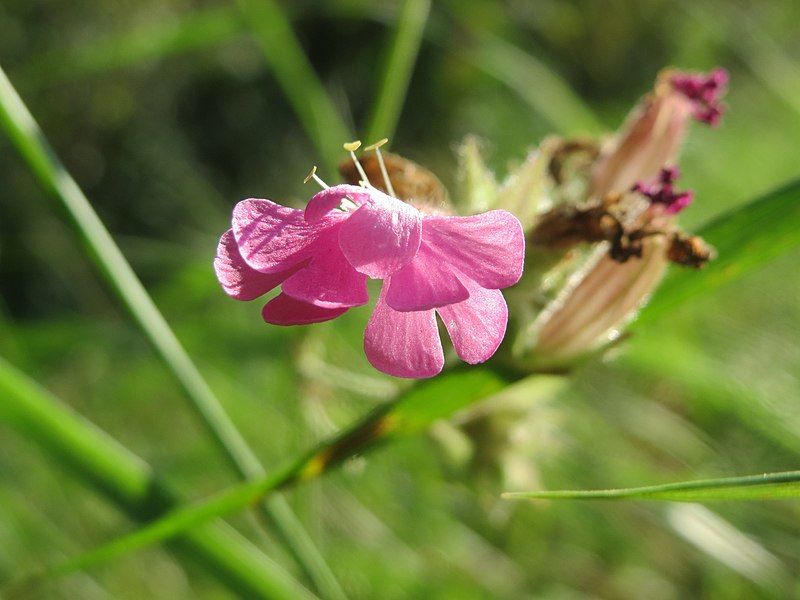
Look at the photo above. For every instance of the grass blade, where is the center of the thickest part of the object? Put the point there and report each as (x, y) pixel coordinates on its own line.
(29, 140)
(533, 81)
(397, 68)
(411, 412)
(130, 483)
(287, 60)
(139, 45)
(745, 238)
(751, 487)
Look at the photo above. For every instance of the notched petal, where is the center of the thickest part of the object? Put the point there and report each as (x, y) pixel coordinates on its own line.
(237, 278)
(477, 325)
(424, 283)
(329, 280)
(489, 248)
(403, 344)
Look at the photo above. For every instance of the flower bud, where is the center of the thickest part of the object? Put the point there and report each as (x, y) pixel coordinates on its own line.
(594, 307)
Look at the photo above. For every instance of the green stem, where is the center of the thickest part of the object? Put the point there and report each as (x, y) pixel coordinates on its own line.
(285, 56)
(397, 68)
(130, 483)
(29, 140)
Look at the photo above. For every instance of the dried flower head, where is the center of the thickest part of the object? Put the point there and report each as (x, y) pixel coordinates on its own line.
(705, 91)
(662, 192)
(654, 131)
(608, 243)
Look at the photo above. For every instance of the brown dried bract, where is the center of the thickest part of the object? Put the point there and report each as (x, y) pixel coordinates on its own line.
(566, 226)
(571, 155)
(410, 180)
(688, 250)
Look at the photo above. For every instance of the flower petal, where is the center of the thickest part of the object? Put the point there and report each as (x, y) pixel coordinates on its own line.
(284, 310)
(489, 248)
(272, 237)
(403, 344)
(238, 279)
(381, 236)
(424, 283)
(477, 325)
(329, 280)
(325, 201)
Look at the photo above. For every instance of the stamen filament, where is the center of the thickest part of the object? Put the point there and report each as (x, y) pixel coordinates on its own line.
(351, 147)
(377, 148)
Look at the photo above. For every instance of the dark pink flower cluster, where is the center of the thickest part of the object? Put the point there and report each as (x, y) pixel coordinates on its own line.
(663, 191)
(705, 91)
(430, 264)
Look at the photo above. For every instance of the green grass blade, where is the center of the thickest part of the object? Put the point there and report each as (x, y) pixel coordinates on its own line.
(702, 375)
(417, 408)
(745, 238)
(397, 68)
(29, 140)
(751, 487)
(287, 60)
(533, 81)
(129, 482)
(140, 45)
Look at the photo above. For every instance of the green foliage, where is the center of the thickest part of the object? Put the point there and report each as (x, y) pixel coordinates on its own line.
(744, 239)
(110, 262)
(754, 487)
(397, 69)
(128, 481)
(166, 116)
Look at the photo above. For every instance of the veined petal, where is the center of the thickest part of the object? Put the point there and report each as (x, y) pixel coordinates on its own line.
(325, 201)
(424, 283)
(403, 344)
(272, 237)
(381, 236)
(476, 325)
(285, 310)
(239, 280)
(489, 248)
(329, 280)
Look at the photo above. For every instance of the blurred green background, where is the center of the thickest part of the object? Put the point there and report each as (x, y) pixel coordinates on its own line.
(167, 113)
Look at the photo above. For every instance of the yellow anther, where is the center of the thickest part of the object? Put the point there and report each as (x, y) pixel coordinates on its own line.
(352, 146)
(311, 174)
(377, 145)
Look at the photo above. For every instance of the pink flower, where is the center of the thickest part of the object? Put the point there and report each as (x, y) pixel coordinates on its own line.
(453, 266)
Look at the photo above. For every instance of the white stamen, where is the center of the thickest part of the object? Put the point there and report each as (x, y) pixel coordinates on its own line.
(348, 205)
(351, 147)
(312, 174)
(377, 148)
